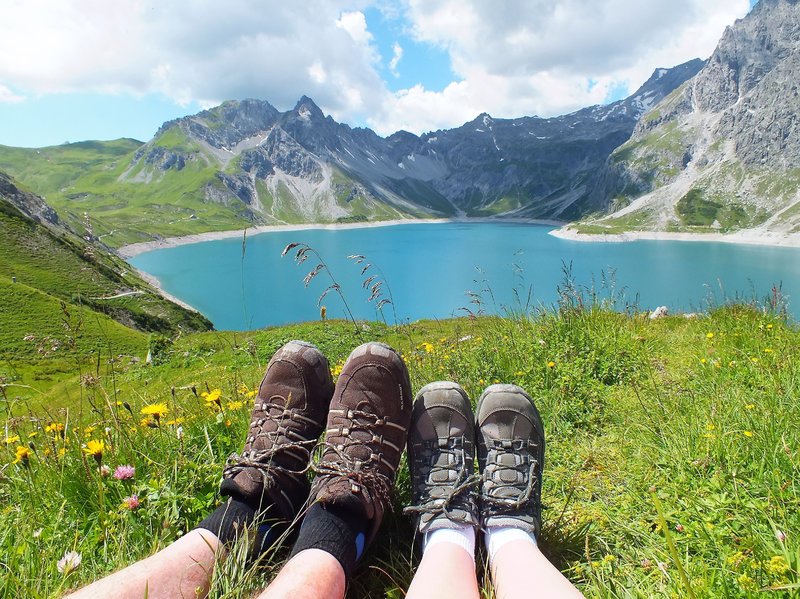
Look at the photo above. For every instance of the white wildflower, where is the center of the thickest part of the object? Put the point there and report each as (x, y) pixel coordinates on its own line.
(69, 563)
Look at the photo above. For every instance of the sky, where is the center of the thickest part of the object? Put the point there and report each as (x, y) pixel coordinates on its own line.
(93, 69)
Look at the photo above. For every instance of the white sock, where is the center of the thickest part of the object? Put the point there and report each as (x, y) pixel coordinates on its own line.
(463, 536)
(498, 536)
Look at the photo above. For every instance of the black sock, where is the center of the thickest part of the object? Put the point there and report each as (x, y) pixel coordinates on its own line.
(336, 529)
(229, 520)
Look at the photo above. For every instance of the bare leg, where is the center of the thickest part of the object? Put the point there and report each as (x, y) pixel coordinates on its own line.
(311, 574)
(446, 571)
(521, 571)
(181, 570)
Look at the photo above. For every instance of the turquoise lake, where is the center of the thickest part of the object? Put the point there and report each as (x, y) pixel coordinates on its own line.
(430, 268)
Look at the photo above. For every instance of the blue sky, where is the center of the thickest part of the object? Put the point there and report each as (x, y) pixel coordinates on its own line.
(103, 70)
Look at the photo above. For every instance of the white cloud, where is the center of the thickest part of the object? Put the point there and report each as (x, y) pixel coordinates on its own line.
(9, 97)
(204, 50)
(397, 56)
(544, 57)
(355, 24)
(511, 58)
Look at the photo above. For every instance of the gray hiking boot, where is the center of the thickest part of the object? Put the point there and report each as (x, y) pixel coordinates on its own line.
(511, 458)
(441, 457)
(365, 435)
(287, 420)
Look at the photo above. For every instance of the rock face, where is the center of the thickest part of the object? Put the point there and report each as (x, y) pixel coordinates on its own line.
(29, 204)
(300, 165)
(723, 151)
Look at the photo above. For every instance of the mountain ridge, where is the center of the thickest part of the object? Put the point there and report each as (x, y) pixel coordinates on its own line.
(304, 163)
(722, 153)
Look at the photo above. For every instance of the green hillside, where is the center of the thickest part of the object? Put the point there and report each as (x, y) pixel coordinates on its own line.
(125, 205)
(671, 468)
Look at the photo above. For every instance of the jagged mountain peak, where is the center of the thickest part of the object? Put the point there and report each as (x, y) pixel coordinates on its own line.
(663, 78)
(723, 152)
(301, 162)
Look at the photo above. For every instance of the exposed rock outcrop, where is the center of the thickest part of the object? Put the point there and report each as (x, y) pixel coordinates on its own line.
(723, 151)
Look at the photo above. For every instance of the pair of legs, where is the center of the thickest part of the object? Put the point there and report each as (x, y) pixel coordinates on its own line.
(366, 418)
(503, 500)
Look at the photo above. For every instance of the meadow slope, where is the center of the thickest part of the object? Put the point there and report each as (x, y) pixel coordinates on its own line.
(671, 466)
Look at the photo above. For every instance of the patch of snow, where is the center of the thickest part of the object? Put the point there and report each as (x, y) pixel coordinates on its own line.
(412, 158)
(433, 140)
(401, 165)
(304, 114)
(487, 121)
(480, 130)
(661, 73)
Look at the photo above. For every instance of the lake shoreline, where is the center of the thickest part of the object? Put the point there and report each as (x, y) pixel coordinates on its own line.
(134, 249)
(750, 237)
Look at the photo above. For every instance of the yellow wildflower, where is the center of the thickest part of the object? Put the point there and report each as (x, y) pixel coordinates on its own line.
(88, 430)
(156, 410)
(709, 335)
(55, 428)
(234, 405)
(750, 406)
(769, 327)
(551, 364)
(32, 434)
(777, 565)
(767, 350)
(95, 449)
(703, 360)
(710, 426)
(12, 439)
(747, 433)
(23, 454)
(519, 373)
(252, 394)
(212, 397)
(145, 421)
(428, 347)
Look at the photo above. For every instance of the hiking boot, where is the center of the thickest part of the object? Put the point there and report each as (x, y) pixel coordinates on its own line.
(288, 417)
(441, 457)
(365, 435)
(511, 458)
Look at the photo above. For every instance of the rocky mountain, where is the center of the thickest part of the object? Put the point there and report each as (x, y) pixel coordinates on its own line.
(301, 166)
(722, 152)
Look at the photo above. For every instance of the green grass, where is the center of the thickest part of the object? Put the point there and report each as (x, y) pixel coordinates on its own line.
(68, 269)
(677, 430)
(95, 177)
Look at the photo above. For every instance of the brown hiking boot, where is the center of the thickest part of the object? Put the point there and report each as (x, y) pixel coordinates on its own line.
(365, 435)
(287, 419)
(441, 457)
(511, 458)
